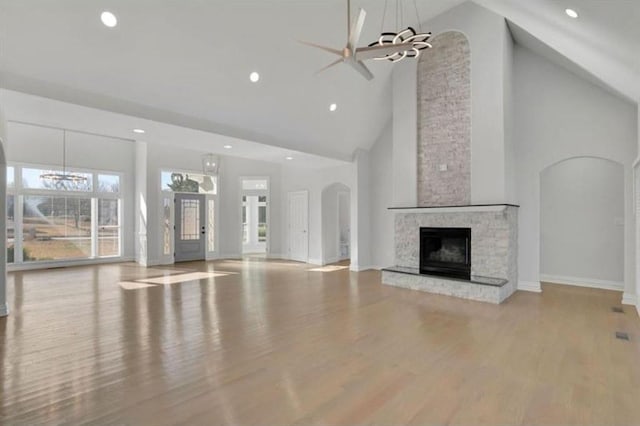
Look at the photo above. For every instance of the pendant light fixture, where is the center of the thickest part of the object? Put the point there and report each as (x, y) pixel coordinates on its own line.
(417, 40)
(64, 176)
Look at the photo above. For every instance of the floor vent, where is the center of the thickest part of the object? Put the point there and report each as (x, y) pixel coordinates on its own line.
(622, 336)
(617, 309)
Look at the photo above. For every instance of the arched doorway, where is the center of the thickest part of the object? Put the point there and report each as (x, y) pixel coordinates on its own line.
(582, 223)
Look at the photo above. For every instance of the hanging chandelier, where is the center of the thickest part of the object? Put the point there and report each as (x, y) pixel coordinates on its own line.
(416, 40)
(64, 176)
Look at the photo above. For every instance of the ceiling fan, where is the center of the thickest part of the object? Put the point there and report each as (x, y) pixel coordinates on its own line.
(353, 55)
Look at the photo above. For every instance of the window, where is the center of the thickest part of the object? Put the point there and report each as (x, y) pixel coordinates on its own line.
(188, 182)
(11, 177)
(211, 226)
(55, 228)
(108, 183)
(62, 220)
(190, 225)
(262, 219)
(166, 226)
(11, 226)
(108, 227)
(31, 180)
(245, 225)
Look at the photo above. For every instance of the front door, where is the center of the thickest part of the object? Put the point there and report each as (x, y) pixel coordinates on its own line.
(190, 227)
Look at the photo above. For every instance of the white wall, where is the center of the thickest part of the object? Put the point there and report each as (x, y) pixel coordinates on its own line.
(167, 157)
(582, 218)
(488, 37)
(140, 203)
(511, 187)
(559, 115)
(360, 213)
(314, 181)
(382, 219)
(4, 308)
(43, 146)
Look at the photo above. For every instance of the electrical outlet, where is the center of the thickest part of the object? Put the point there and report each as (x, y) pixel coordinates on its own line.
(443, 167)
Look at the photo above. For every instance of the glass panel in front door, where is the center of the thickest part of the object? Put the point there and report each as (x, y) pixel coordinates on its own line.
(190, 224)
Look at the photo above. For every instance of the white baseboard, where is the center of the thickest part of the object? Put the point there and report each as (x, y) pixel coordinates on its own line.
(276, 256)
(4, 310)
(32, 266)
(230, 256)
(532, 286)
(629, 299)
(315, 261)
(358, 268)
(583, 282)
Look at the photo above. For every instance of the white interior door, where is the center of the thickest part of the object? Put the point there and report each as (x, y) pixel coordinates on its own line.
(190, 227)
(298, 214)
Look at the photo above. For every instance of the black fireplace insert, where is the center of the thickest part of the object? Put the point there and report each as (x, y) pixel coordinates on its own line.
(446, 252)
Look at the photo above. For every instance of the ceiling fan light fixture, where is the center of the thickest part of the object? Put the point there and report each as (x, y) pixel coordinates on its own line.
(417, 42)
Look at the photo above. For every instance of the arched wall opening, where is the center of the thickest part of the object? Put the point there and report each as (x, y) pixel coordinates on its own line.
(336, 223)
(582, 219)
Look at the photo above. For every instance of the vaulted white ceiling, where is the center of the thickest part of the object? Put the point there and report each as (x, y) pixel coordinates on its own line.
(187, 62)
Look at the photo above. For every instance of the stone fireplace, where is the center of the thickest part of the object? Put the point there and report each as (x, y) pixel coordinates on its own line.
(447, 244)
(482, 237)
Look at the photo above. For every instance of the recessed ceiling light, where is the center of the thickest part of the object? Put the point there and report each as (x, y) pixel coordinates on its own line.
(138, 131)
(571, 13)
(333, 107)
(254, 77)
(228, 147)
(109, 19)
(288, 158)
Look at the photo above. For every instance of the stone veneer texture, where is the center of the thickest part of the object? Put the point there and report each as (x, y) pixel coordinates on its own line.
(444, 122)
(494, 242)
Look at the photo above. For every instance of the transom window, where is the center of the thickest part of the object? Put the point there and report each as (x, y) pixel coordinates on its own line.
(174, 181)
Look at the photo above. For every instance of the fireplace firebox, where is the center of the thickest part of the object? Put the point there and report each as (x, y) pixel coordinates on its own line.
(446, 252)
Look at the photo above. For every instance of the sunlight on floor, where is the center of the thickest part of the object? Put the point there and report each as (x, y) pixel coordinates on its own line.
(181, 278)
(128, 285)
(329, 268)
(171, 279)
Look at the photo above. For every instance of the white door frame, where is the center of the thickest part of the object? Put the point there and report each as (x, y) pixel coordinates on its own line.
(242, 192)
(289, 234)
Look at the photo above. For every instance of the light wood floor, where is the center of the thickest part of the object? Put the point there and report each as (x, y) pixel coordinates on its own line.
(272, 343)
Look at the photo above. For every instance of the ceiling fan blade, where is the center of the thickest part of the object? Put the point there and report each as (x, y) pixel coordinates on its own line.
(325, 48)
(356, 30)
(364, 53)
(336, 62)
(362, 69)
